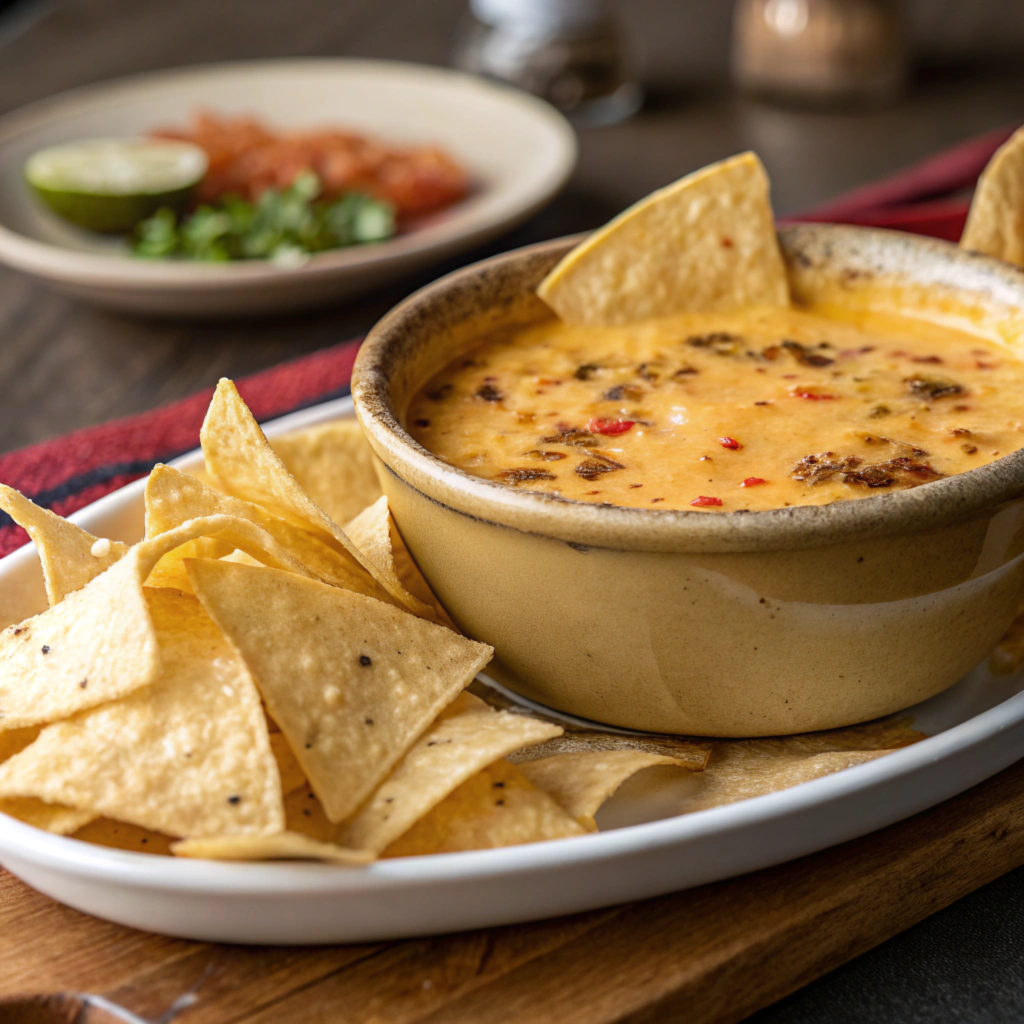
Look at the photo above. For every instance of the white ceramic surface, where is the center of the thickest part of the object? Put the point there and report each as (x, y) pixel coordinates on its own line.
(976, 729)
(519, 151)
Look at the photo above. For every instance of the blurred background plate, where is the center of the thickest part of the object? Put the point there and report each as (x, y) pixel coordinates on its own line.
(518, 150)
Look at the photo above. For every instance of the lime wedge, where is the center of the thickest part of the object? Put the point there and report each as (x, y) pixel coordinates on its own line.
(110, 185)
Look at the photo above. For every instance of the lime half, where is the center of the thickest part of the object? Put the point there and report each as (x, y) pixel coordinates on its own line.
(110, 185)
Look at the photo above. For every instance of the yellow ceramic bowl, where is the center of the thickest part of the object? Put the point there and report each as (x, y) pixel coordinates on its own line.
(734, 624)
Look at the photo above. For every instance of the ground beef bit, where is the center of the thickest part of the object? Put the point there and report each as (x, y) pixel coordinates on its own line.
(543, 456)
(489, 393)
(519, 476)
(592, 468)
(720, 342)
(851, 469)
(574, 437)
(631, 391)
(932, 388)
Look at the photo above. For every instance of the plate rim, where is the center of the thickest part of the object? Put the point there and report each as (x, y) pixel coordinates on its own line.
(66, 265)
(140, 871)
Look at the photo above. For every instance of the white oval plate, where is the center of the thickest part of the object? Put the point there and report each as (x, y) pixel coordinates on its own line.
(518, 150)
(976, 729)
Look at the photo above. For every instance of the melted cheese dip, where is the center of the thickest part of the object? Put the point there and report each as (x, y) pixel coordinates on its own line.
(757, 410)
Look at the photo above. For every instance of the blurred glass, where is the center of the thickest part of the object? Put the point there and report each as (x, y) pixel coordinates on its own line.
(571, 53)
(826, 53)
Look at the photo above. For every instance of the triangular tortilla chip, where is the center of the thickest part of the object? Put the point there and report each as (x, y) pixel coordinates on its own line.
(693, 754)
(283, 846)
(49, 817)
(370, 531)
(14, 741)
(352, 682)
(173, 498)
(741, 769)
(334, 465)
(706, 243)
(187, 756)
(238, 454)
(580, 783)
(119, 835)
(55, 818)
(243, 463)
(70, 556)
(170, 572)
(995, 222)
(466, 737)
(98, 644)
(304, 813)
(498, 806)
(287, 764)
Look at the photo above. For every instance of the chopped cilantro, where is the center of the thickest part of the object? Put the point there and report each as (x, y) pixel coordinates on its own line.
(283, 226)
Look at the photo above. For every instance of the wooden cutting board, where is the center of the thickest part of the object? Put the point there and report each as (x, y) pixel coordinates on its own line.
(716, 953)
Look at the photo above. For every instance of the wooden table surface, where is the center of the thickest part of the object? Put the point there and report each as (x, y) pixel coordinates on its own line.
(63, 365)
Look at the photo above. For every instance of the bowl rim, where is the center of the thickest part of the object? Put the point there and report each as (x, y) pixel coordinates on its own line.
(940, 503)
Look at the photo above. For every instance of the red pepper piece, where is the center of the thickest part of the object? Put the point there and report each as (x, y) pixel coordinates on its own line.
(705, 502)
(753, 481)
(609, 427)
(812, 396)
(730, 442)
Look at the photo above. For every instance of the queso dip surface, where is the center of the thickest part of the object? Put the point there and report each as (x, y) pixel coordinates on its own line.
(760, 409)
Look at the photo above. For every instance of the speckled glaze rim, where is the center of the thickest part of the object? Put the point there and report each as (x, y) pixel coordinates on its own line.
(845, 253)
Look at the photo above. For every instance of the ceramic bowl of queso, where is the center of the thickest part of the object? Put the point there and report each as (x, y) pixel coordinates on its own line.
(814, 517)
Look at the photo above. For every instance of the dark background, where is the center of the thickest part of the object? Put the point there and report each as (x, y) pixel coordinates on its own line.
(63, 365)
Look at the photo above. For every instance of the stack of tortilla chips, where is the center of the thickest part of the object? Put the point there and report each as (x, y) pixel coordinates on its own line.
(255, 681)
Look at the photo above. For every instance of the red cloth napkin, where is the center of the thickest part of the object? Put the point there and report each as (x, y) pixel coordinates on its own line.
(69, 472)
(923, 198)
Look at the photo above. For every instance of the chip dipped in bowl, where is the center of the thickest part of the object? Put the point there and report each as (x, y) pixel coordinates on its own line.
(826, 414)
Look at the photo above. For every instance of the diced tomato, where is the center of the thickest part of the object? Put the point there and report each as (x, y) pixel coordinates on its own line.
(753, 481)
(705, 502)
(812, 396)
(609, 427)
(730, 442)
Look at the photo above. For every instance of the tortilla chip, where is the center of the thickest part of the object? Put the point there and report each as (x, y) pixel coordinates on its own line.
(370, 531)
(304, 813)
(334, 465)
(741, 769)
(283, 846)
(995, 223)
(119, 835)
(498, 806)
(170, 572)
(173, 498)
(55, 818)
(97, 645)
(13, 741)
(50, 817)
(287, 764)
(466, 737)
(706, 243)
(187, 756)
(70, 556)
(580, 783)
(238, 454)
(691, 753)
(351, 681)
